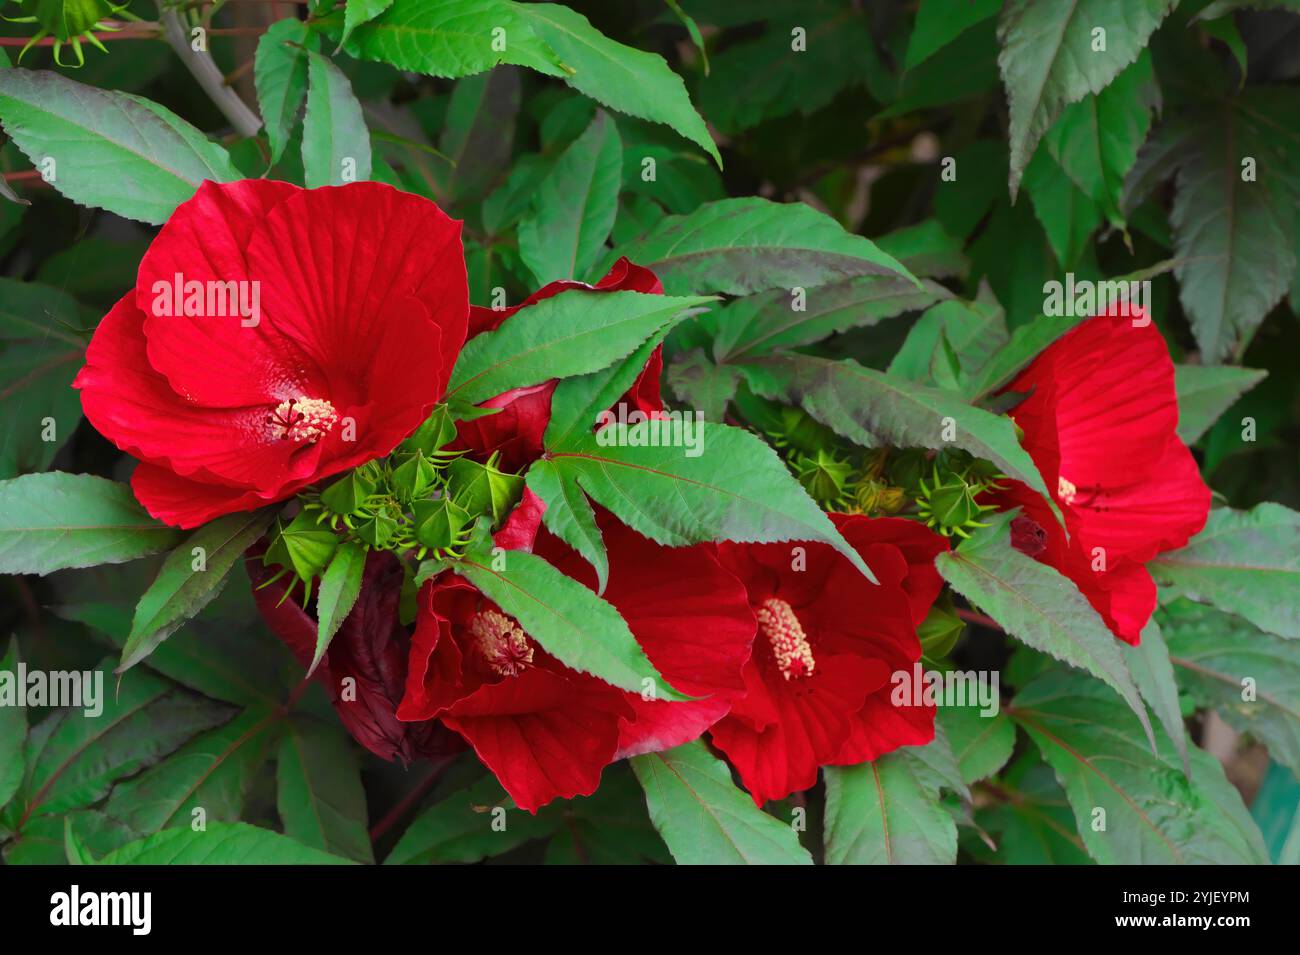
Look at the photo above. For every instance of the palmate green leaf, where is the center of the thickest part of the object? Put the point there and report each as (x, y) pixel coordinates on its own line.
(1154, 676)
(73, 760)
(335, 141)
(111, 150)
(874, 409)
(743, 246)
(1205, 392)
(320, 798)
(340, 586)
(574, 207)
(1251, 678)
(463, 827)
(887, 812)
(573, 333)
(759, 324)
(452, 38)
(1068, 215)
(623, 78)
(280, 75)
(577, 402)
(13, 731)
(1048, 59)
(704, 386)
(704, 818)
(212, 772)
(569, 621)
(569, 516)
(981, 744)
(1039, 606)
(222, 843)
(1244, 562)
(677, 500)
(191, 576)
(1153, 813)
(1096, 140)
(53, 521)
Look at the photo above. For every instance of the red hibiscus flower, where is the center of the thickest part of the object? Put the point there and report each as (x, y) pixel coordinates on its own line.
(364, 669)
(516, 430)
(1100, 423)
(818, 685)
(276, 336)
(546, 730)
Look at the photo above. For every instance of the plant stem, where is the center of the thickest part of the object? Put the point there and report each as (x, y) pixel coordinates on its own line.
(205, 71)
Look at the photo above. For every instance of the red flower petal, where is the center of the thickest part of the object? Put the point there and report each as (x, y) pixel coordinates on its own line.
(543, 735)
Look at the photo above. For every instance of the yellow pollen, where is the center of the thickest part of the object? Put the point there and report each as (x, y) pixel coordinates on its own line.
(790, 647)
(1066, 490)
(302, 420)
(504, 646)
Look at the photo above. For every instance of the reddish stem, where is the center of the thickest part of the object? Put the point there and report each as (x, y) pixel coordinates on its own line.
(971, 616)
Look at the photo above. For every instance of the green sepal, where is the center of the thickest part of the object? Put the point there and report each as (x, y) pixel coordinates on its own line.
(346, 495)
(438, 430)
(484, 488)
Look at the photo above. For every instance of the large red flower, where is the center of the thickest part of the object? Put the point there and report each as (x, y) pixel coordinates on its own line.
(1100, 423)
(354, 306)
(818, 686)
(516, 430)
(546, 730)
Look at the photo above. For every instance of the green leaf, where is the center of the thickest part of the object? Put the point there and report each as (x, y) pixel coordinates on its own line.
(280, 75)
(624, 79)
(39, 409)
(73, 759)
(1154, 676)
(339, 588)
(577, 402)
(1068, 216)
(191, 576)
(705, 387)
(574, 207)
(874, 409)
(573, 333)
(743, 246)
(569, 516)
(13, 732)
(335, 141)
(361, 11)
(1031, 817)
(478, 135)
(1050, 59)
(939, 22)
(570, 622)
(54, 521)
(469, 826)
(30, 311)
(704, 818)
(212, 772)
(1251, 678)
(756, 325)
(1037, 605)
(1244, 562)
(1206, 391)
(222, 843)
(452, 38)
(1096, 140)
(677, 500)
(887, 812)
(982, 744)
(973, 331)
(111, 150)
(1233, 233)
(1153, 813)
(321, 801)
